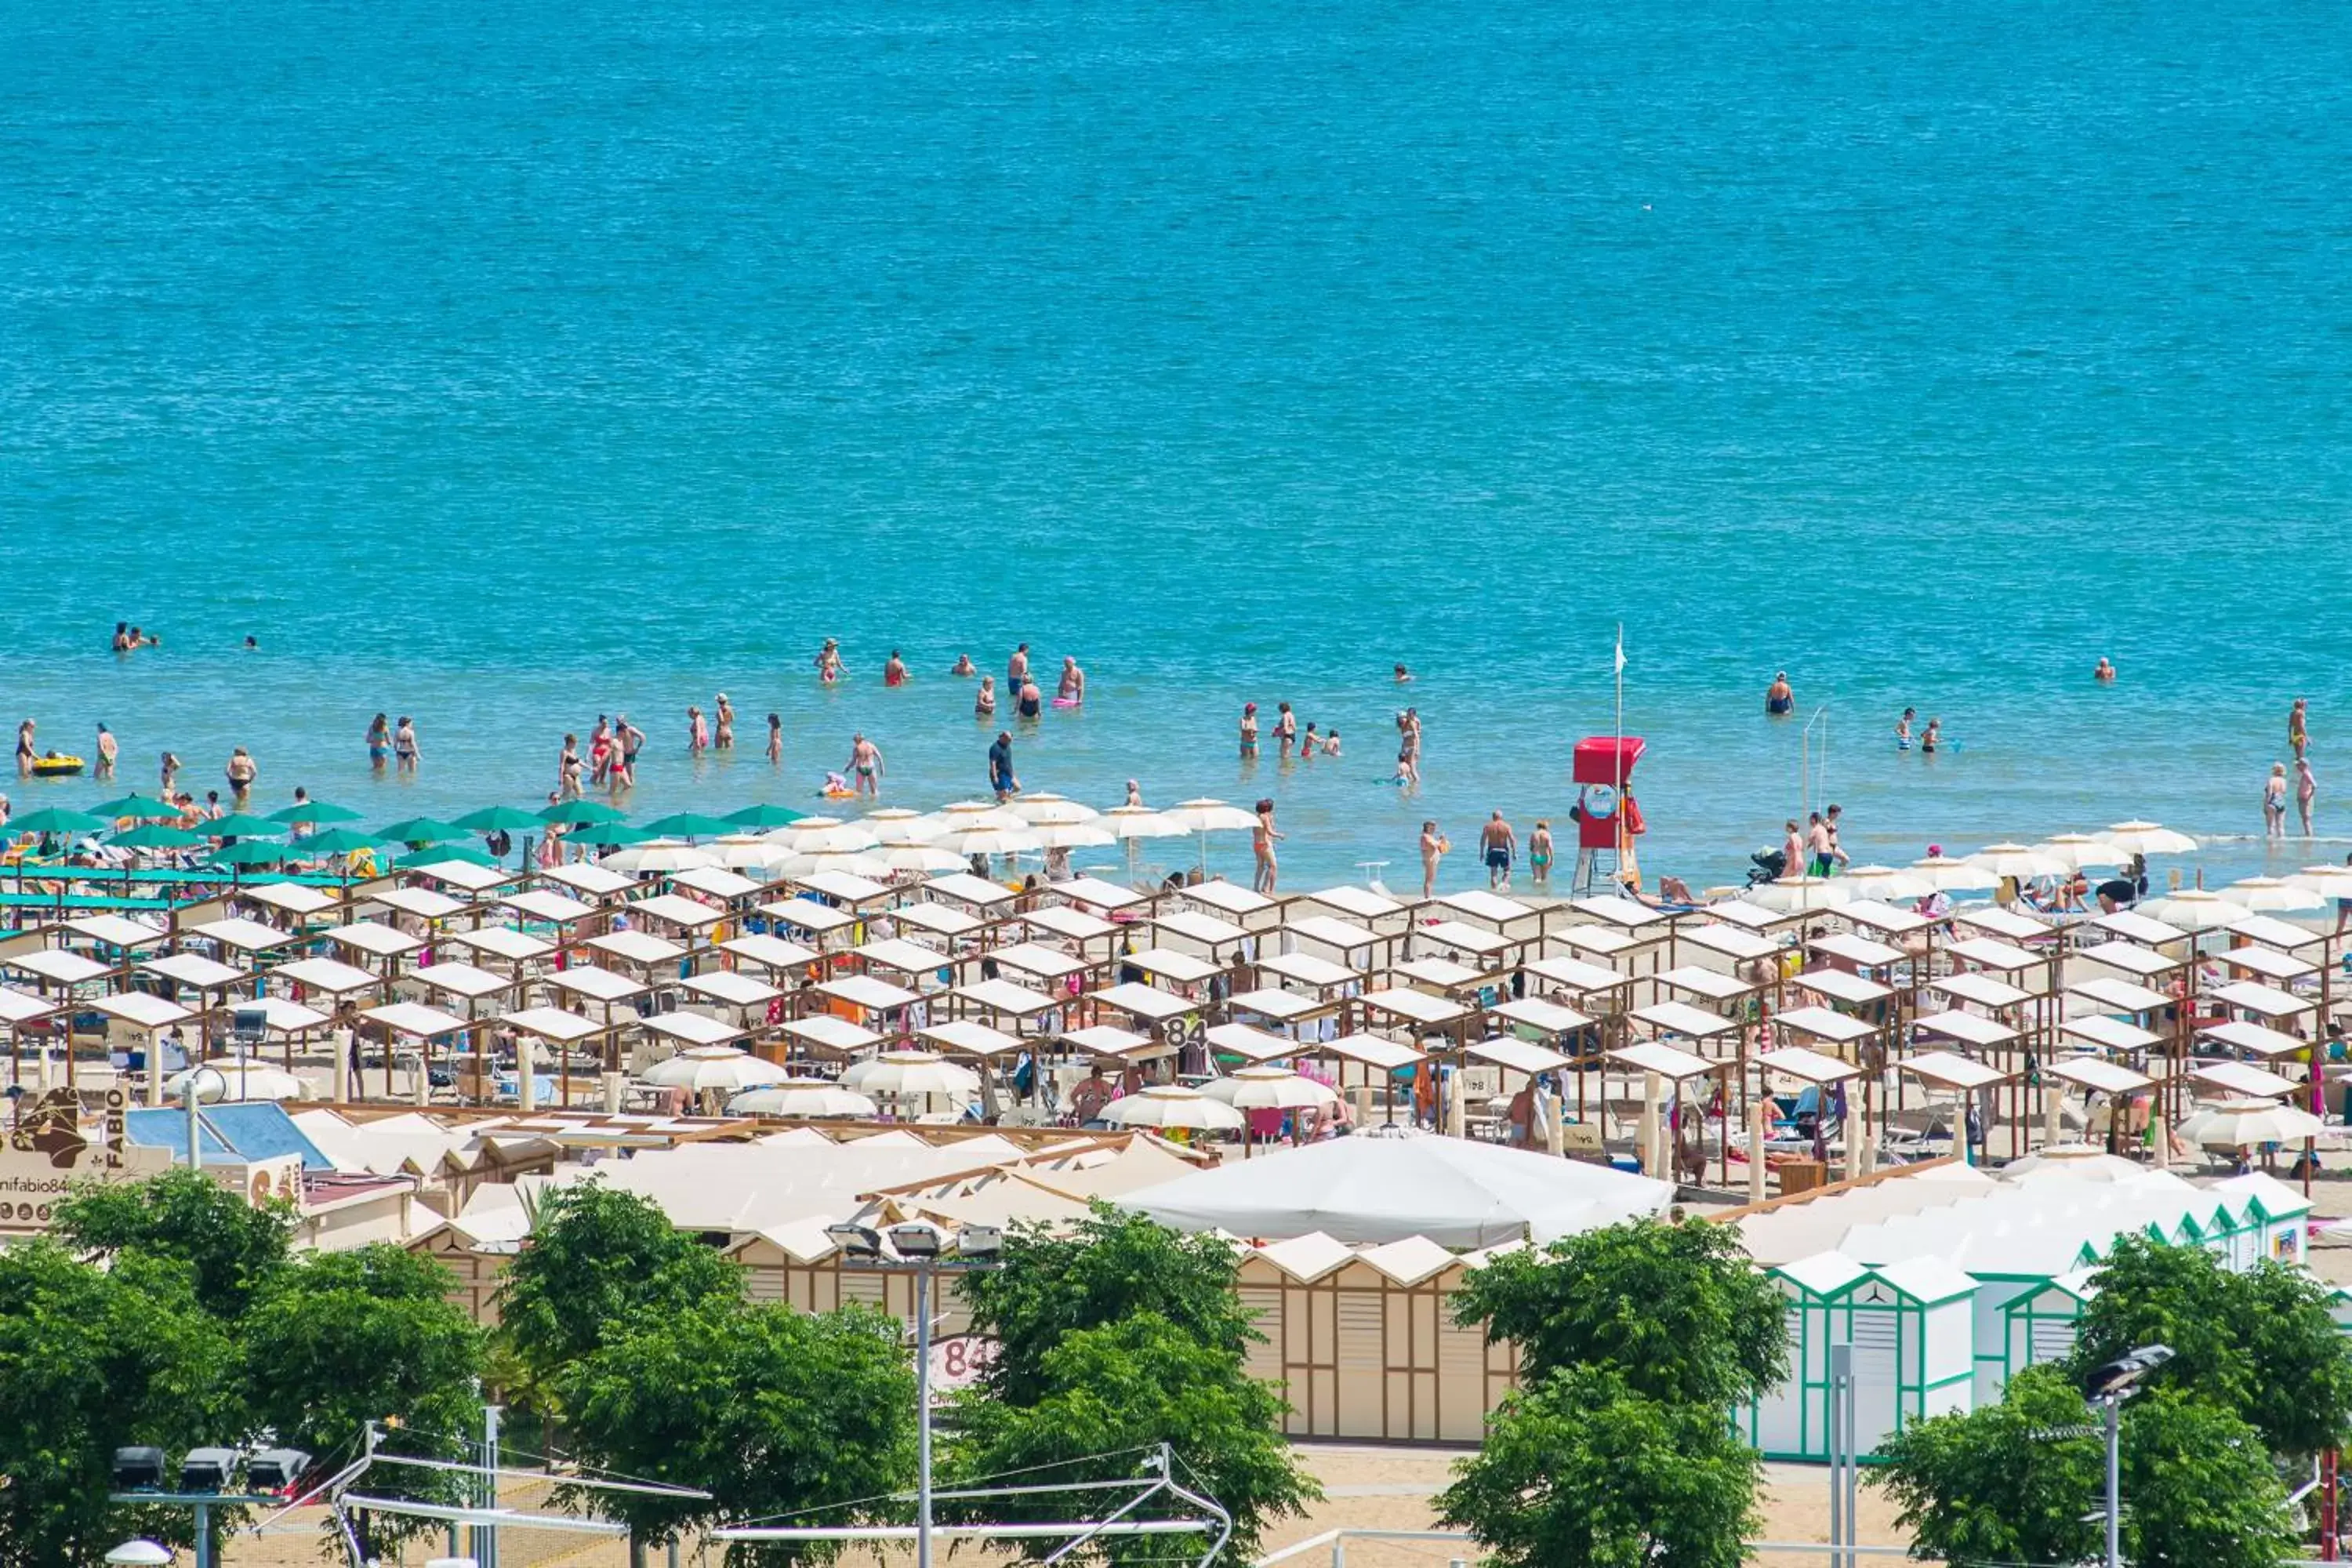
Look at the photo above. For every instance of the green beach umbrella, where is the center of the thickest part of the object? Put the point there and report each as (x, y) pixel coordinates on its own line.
(420, 831)
(335, 841)
(157, 836)
(244, 825)
(144, 807)
(58, 819)
(443, 853)
(685, 825)
(249, 853)
(764, 815)
(610, 835)
(499, 819)
(315, 811)
(577, 813)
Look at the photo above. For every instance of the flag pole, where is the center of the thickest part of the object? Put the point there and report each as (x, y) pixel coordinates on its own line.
(1620, 752)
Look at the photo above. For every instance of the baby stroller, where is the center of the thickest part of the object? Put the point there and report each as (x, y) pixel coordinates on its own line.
(1767, 866)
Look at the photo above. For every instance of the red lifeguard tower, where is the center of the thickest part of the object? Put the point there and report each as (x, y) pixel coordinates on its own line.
(1608, 819)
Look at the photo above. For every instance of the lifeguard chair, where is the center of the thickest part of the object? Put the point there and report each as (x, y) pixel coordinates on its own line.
(1608, 820)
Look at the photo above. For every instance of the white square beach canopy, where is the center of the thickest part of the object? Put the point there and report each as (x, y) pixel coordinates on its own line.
(865, 991)
(1145, 1001)
(677, 910)
(463, 979)
(547, 904)
(1810, 1066)
(425, 903)
(901, 956)
(1841, 985)
(1602, 940)
(691, 1029)
(1986, 953)
(808, 915)
(1732, 941)
(1981, 989)
(831, 1032)
(730, 987)
(2096, 1072)
(1756, 917)
(2109, 1033)
(1666, 1061)
(415, 1019)
(1463, 938)
(1096, 893)
(2254, 1038)
(1228, 898)
(1037, 958)
(1492, 907)
(2275, 933)
(1519, 1056)
(1575, 976)
(294, 897)
(115, 931)
(2130, 958)
(1419, 1007)
(596, 985)
(552, 1023)
(1272, 1002)
(58, 965)
(2239, 1079)
(2133, 926)
(376, 941)
(1442, 972)
(247, 936)
(970, 1038)
(279, 1015)
(192, 969)
(966, 889)
(1682, 1018)
(1257, 1044)
(596, 881)
(2007, 924)
(636, 947)
(1207, 930)
(1824, 1023)
(1711, 984)
(847, 886)
(1307, 969)
(328, 974)
(2263, 1001)
(465, 873)
(1969, 1028)
(1873, 915)
(716, 880)
(142, 1008)
(1616, 910)
(17, 1008)
(1103, 1040)
(1375, 1051)
(1948, 1070)
(1167, 963)
(1323, 931)
(2120, 996)
(2268, 962)
(1060, 919)
(768, 951)
(499, 941)
(1361, 903)
(939, 919)
(1858, 949)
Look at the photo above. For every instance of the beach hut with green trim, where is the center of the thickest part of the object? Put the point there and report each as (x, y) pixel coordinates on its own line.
(2039, 1324)
(2274, 1218)
(1910, 1327)
(2339, 1306)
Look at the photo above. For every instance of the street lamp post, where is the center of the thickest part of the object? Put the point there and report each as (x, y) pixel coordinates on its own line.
(2109, 1386)
(916, 1249)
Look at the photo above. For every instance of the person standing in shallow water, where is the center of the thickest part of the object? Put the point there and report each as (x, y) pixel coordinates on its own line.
(1780, 698)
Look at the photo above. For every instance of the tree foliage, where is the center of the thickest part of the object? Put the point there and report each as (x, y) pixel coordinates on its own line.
(1110, 1268)
(2199, 1487)
(1676, 1310)
(2260, 1344)
(595, 1260)
(232, 1247)
(1118, 1389)
(1581, 1470)
(1996, 1485)
(92, 1359)
(769, 1410)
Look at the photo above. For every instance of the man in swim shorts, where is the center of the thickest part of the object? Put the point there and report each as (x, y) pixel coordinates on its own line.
(1780, 699)
(866, 765)
(1496, 845)
(1000, 768)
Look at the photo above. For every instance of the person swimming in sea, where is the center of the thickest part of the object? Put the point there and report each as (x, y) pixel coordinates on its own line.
(984, 701)
(963, 666)
(1903, 729)
(1249, 729)
(1031, 702)
(1780, 698)
(2106, 672)
(1931, 739)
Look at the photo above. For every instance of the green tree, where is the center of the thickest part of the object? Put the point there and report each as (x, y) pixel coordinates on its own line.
(1996, 1485)
(769, 1410)
(1581, 1470)
(1676, 1310)
(340, 1340)
(1123, 1387)
(1109, 1267)
(2259, 1342)
(596, 1258)
(233, 1247)
(92, 1359)
(2199, 1487)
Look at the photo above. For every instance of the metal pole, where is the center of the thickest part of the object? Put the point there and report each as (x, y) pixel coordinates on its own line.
(2115, 1483)
(1840, 1361)
(923, 1415)
(488, 1556)
(204, 1526)
(188, 1097)
(1850, 1424)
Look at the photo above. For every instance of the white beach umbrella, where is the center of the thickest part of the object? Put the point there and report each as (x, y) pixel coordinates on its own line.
(661, 854)
(2138, 837)
(910, 1072)
(825, 839)
(1270, 1089)
(2242, 1123)
(2080, 850)
(1888, 884)
(1785, 894)
(748, 852)
(801, 1097)
(713, 1067)
(857, 863)
(1018, 839)
(921, 859)
(968, 814)
(1127, 822)
(2328, 881)
(897, 825)
(2275, 895)
(2195, 909)
(1952, 876)
(1048, 808)
(1070, 836)
(1207, 815)
(237, 1079)
(2018, 860)
(1172, 1105)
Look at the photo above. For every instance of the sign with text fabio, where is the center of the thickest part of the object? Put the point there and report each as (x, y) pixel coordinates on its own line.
(49, 1150)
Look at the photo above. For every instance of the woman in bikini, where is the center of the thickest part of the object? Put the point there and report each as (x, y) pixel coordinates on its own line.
(1539, 853)
(379, 744)
(723, 737)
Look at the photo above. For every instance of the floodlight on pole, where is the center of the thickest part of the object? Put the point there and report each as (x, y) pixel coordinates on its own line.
(139, 1552)
(916, 1241)
(2108, 1386)
(856, 1240)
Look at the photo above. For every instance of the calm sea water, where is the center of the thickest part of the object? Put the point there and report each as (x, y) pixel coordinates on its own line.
(508, 364)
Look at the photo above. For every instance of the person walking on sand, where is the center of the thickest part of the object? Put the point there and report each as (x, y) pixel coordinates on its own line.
(866, 765)
(2298, 731)
(1780, 698)
(1262, 839)
(1001, 776)
(775, 740)
(2307, 793)
(378, 743)
(106, 753)
(1818, 858)
(1539, 852)
(1830, 828)
(241, 774)
(1433, 845)
(403, 745)
(1498, 844)
(722, 735)
(2274, 801)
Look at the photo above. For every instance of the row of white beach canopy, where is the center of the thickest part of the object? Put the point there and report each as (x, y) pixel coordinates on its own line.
(894, 839)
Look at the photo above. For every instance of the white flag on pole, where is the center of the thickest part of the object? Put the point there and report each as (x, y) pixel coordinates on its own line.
(1621, 650)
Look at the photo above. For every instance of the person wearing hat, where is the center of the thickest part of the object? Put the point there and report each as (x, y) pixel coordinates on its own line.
(1249, 729)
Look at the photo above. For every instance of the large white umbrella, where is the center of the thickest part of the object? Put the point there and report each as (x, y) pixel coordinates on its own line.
(1048, 808)
(2136, 837)
(822, 836)
(2242, 1123)
(1888, 884)
(238, 1078)
(2274, 895)
(990, 840)
(1172, 1105)
(1270, 1089)
(1952, 876)
(661, 854)
(2080, 850)
(748, 852)
(856, 862)
(2018, 860)
(2195, 909)
(910, 1072)
(919, 858)
(897, 825)
(1207, 815)
(1070, 836)
(713, 1067)
(1785, 894)
(1140, 822)
(801, 1097)
(2328, 881)
(967, 814)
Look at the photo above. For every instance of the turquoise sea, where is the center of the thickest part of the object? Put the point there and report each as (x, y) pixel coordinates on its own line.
(505, 364)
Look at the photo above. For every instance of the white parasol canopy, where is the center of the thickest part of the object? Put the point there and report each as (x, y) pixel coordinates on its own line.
(1952, 876)
(239, 1079)
(2195, 909)
(1887, 882)
(1058, 810)
(1784, 894)
(2018, 860)
(919, 858)
(1172, 1105)
(898, 825)
(2080, 850)
(2275, 895)
(2138, 837)
(1270, 1089)
(910, 1072)
(1125, 822)
(800, 1097)
(749, 852)
(660, 854)
(1071, 836)
(713, 1067)
(2242, 1124)
(989, 840)
(1207, 815)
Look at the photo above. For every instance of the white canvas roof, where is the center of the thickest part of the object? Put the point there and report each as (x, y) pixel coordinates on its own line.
(1538, 1014)
(901, 956)
(2121, 995)
(464, 873)
(2131, 960)
(2263, 1001)
(1467, 938)
(769, 951)
(730, 987)
(638, 947)
(499, 941)
(1875, 915)
(1732, 941)
(2094, 1072)
(598, 984)
(1361, 903)
(1968, 1028)
(967, 889)
(1575, 976)
(1519, 1056)
(1605, 941)
(1194, 926)
(2006, 957)
(1104, 1040)
(1711, 984)
(2109, 1033)
(1811, 1066)
(1075, 925)
(1096, 893)
(1230, 897)
(1981, 989)
(1005, 996)
(1255, 1044)
(2239, 1079)
(2133, 926)
(415, 1019)
(16, 1006)
(716, 880)
(974, 1038)
(1037, 958)
(279, 1015)
(1377, 1051)
(1272, 1002)
(1756, 917)
(140, 1007)
(425, 903)
(56, 963)
(1825, 1023)
(328, 974)
(691, 1029)
(1479, 904)
(1682, 1018)
(2278, 933)
(1949, 1070)
(832, 1033)
(677, 910)
(294, 897)
(1147, 1001)
(378, 940)
(596, 881)
(1183, 968)
(115, 931)
(463, 979)
(192, 969)
(1618, 911)
(552, 1023)
(1383, 1187)
(249, 936)
(1324, 931)
(1418, 1005)
(1666, 1061)
(2254, 1038)
(2007, 924)
(939, 919)
(1307, 969)
(847, 886)
(1442, 972)
(1842, 986)
(865, 991)
(1858, 949)
(2268, 962)
(807, 914)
